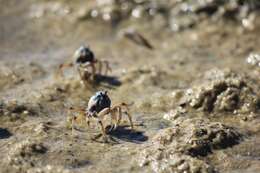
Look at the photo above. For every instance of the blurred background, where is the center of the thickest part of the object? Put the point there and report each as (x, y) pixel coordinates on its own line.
(38, 27)
(167, 58)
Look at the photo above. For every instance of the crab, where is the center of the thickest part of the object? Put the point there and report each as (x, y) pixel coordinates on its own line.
(99, 106)
(84, 59)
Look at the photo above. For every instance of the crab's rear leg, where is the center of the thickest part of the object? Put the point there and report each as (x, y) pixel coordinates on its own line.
(106, 67)
(73, 120)
(119, 113)
(119, 107)
(128, 115)
(60, 70)
(130, 119)
(100, 67)
(93, 71)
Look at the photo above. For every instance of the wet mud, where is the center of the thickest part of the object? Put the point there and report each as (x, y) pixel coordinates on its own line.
(189, 71)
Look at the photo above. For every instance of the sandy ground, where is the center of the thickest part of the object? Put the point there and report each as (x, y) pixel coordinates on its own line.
(195, 96)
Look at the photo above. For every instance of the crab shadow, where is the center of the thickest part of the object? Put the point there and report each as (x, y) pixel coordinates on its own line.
(109, 80)
(4, 133)
(125, 134)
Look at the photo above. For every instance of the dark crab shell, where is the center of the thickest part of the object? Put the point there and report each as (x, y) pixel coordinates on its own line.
(83, 55)
(98, 102)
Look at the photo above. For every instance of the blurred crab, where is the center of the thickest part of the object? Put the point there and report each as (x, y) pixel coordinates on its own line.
(99, 106)
(84, 59)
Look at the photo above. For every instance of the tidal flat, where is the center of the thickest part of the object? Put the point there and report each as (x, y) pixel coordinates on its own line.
(189, 69)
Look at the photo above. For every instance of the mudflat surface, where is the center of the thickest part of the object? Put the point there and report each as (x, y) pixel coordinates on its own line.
(194, 95)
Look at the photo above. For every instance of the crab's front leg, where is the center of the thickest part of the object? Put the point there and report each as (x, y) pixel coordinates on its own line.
(86, 67)
(84, 74)
(100, 118)
(79, 70)
(65, 65)
(88, 120)
(114, 119)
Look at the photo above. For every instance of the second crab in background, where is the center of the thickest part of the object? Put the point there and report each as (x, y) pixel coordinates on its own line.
(86, 65)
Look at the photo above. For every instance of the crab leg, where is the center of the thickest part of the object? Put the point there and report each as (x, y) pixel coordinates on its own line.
(60, 70)
(84, 76)
(126, 112)
(108, 69)
(62, 66)
(130, 119)
(77, 119)
(93, 71)
(80, 73)
(119, 115)
(100, 66)
(114, 119)
(100, 117)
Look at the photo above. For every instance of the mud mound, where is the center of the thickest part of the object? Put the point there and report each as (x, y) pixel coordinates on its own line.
(164, 161)
(176, 149)
(203, 136)
(198, 136)
(23, 154)
(223, 91)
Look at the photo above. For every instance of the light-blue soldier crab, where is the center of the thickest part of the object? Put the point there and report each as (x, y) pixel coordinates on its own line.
(83, 60)
(99, 106)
